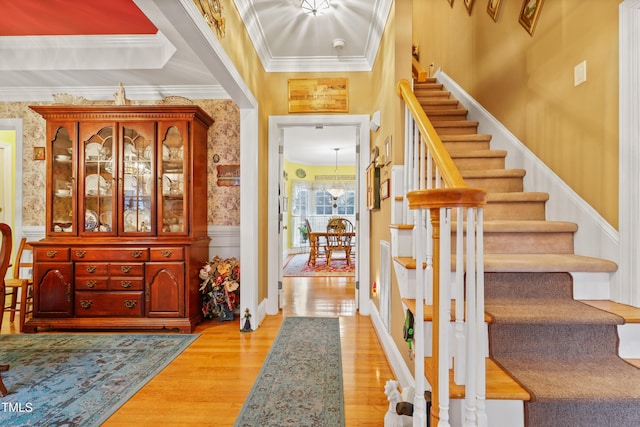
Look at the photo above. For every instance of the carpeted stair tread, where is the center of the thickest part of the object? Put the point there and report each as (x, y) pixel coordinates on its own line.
(466, 154)
(543, 263)
(465, 137)
(530, 226)
(520, 196)
(546, 263)
(563, 352)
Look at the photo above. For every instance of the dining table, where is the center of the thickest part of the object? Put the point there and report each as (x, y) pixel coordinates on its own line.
(316, 236)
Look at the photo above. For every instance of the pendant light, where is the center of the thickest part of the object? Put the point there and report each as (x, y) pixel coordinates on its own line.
(315, 7)
(336, 191)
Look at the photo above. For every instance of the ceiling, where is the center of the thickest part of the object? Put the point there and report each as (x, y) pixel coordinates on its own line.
(86, 48)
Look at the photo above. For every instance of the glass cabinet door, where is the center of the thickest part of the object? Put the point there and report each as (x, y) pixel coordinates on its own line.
(97, 165)
(137, 178)
(62, 180)
(172, 178)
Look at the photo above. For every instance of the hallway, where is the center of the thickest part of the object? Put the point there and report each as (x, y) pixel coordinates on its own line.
(207, 384)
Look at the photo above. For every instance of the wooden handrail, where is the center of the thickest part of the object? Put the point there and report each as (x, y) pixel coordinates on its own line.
(418, 70)
(441, 157)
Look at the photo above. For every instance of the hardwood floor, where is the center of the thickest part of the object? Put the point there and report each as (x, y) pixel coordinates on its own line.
(207, 384)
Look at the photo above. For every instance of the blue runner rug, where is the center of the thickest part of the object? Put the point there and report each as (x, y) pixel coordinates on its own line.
(300, 383)
(78, 379)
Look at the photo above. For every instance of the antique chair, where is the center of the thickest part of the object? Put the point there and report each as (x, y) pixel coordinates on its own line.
(5, 254)
(339, 236)
(317, 244)
(21, 287)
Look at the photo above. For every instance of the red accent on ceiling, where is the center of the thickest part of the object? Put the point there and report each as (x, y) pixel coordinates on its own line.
(72, 17)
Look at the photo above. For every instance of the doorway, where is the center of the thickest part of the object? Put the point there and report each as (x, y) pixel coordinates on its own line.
(277, 126)
(11, 175)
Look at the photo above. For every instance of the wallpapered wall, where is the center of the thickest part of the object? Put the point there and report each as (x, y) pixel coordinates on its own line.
(223, 140)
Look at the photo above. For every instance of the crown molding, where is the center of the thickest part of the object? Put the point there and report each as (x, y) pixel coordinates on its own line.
(105, 93)
(33, 53)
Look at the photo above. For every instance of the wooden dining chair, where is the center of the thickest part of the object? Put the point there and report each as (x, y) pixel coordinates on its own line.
(20, 286)
(339, 236)
(5, 255)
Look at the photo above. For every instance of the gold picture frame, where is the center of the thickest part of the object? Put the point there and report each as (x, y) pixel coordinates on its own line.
(469, 5)
(39, 153)
(529, 14)
(493, 7)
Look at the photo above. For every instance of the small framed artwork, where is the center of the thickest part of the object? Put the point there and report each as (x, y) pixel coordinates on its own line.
(38, 153)
(384, 189)
(387, 149)
(529, 14)
(469, 5)
(493, 7)
(228, 175)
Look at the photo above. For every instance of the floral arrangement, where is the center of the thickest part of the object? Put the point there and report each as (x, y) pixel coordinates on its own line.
(220, 287)
(415, 51)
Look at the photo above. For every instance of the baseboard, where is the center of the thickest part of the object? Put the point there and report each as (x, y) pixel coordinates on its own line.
(398, 365)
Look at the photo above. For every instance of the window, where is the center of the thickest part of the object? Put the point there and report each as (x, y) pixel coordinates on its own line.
(324, 203)
(346, 204)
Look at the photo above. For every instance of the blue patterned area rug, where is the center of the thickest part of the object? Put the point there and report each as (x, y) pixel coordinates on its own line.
(300, 383)
(78, 379)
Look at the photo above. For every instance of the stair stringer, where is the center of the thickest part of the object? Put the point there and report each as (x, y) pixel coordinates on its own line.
(595, 236)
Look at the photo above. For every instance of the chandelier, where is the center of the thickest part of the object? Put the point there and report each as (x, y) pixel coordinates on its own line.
(315, 7)
(335, 191)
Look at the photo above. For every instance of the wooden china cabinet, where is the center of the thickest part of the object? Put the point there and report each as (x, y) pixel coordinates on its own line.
(126, 218)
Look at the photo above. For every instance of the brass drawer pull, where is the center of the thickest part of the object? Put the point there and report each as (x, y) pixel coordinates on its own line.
(166, 253)
(91, 284)
(125, 284)
(81, 254)
(125, 268)
(86, 303)
(91, 269)
(52, 254)
(130, 303)
(136, 254)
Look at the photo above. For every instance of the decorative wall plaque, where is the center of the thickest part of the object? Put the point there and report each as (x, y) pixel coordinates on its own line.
(212, 12)
(228, 175)
(324, 95)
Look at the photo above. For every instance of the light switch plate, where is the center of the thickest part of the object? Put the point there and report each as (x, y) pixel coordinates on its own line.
(580, 73)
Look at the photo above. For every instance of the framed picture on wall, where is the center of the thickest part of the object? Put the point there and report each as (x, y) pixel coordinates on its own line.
(529, 14)
(493, 7)
(469, 5)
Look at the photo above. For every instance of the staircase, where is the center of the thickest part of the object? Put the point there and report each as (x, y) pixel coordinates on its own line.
(518, 239)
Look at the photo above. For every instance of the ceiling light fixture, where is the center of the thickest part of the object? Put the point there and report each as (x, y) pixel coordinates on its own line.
(335, 191)
(315, 7)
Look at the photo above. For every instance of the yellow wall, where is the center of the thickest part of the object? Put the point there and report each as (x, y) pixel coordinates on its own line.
(527, 82)
(392, 64)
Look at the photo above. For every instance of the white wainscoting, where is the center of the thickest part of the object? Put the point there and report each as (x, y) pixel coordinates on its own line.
(225, 241)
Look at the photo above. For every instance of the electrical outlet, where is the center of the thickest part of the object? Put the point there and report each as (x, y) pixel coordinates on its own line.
(580, 73)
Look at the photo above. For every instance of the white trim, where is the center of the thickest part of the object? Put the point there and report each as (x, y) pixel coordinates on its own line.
(16, 206)
(186, 18)
(396, 361)
(276, 124)
(629, 154)
(94, 52)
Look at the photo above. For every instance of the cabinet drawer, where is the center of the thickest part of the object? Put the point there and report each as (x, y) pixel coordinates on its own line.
(91, 283)
(126, 284)
(167, 254)
(91, 269)
(129, 269)
(121, 304)
(110, 254)
(51, 254)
